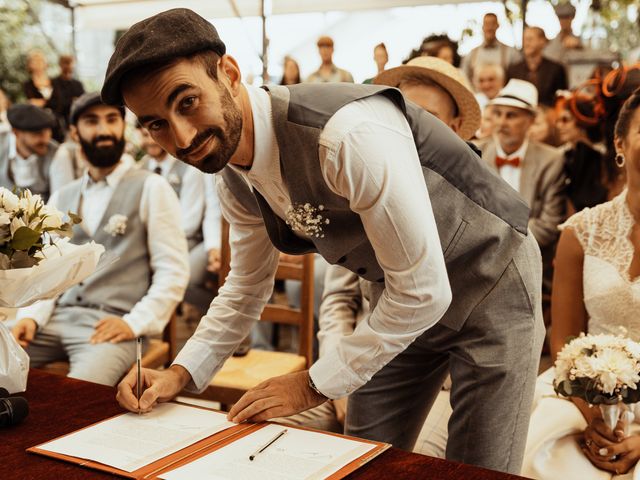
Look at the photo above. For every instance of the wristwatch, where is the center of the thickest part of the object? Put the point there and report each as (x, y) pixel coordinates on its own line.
(314, 388)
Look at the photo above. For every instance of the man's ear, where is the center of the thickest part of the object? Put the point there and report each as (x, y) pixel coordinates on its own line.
(73, 133)
(229, 72)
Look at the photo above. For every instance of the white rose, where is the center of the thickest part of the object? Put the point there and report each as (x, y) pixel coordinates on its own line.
(52, 217)
(16, 223)
(5, 218)
(29, 203)
(10, 201)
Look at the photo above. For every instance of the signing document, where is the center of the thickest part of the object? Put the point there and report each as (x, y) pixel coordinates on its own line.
(298, 455)
(131, 441)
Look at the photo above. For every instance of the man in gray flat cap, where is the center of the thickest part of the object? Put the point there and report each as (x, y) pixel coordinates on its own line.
(27, 151)
(370, 182)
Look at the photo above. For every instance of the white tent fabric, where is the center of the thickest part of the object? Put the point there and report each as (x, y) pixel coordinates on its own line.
(121, 14)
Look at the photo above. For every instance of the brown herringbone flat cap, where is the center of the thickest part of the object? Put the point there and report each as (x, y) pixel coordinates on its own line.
(179, 32)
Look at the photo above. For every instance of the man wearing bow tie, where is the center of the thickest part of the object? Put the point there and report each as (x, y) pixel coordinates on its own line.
(532, 168)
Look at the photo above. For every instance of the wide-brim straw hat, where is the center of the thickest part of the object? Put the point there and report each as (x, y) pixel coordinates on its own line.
(449, 78)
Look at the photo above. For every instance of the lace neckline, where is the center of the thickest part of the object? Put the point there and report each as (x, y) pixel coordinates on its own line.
(625, 227)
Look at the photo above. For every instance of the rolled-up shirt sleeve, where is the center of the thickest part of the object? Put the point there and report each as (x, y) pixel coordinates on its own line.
(240, 301)
(368, 156)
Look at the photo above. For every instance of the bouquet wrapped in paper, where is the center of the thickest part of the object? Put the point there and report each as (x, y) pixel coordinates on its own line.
(602, 370)
(37, 262)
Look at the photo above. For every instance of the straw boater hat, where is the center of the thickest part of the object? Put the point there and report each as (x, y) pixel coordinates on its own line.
(449, 78)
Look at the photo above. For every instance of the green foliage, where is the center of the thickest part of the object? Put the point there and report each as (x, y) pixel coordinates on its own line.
(18, 35)
(623, 34)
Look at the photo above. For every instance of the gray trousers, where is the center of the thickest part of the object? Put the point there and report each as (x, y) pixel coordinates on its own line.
(66, 337)
(493, 361)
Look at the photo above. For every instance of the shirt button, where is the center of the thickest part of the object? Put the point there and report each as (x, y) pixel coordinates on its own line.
(361, 271)
(342, 259)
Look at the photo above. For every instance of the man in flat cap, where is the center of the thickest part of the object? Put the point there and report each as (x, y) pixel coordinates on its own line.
(27, 151)
(136, 216)
(565, 42)
(370, 182)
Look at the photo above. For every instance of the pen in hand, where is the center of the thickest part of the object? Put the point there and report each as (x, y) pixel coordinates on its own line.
(271, 442)
(139, 368)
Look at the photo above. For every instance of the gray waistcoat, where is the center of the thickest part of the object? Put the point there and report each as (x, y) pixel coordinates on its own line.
(41, 185)
(481, 221)
(120, 285)
(176, 173)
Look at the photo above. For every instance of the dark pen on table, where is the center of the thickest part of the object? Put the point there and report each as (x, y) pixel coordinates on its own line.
(267, 445)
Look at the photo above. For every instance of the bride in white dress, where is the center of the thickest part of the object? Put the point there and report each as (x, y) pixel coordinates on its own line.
(596, 289)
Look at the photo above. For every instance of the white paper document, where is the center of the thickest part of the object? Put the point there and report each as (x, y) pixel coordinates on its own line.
(296, 455)
(131, 441)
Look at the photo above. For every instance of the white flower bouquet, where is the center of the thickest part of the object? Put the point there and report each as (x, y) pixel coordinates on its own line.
(602, 370)
(36, 261)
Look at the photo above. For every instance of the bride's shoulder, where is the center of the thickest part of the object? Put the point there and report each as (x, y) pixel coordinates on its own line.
(601, 220)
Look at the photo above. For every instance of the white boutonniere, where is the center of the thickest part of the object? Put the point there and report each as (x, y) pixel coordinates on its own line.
(306, 219)
(174, 179)
(116, 225)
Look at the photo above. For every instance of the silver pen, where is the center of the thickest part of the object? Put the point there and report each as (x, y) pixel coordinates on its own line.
(264, 447)
(139, 367)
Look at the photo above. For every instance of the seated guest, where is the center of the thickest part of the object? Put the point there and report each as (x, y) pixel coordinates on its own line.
(188, 183)
(440, 89)
(488, 80)
(135, 215)
(26, 153)
(533, 169)
(579, 131)
(548, 76)
(595, 290)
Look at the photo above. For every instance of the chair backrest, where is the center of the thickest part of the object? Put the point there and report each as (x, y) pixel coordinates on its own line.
(299, 269)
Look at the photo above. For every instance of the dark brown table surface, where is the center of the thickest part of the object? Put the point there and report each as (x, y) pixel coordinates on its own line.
(61, 405)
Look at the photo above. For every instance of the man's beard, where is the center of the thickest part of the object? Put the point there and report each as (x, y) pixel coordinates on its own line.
(103, 157)
(227, 141)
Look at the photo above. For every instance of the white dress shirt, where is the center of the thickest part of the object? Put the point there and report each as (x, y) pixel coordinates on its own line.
(159, 211)
(211, 225)
(24, 170)
(367, 155)
(191, 193)
(509, 173)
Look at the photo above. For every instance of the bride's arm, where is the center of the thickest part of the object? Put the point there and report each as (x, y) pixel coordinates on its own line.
(568, 313)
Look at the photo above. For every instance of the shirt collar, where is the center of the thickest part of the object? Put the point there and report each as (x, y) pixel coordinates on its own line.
(166, 164)
(112, 180)
(265, 147)
(521, 152)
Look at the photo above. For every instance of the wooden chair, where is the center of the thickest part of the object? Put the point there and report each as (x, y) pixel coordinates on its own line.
(160, 352)
(240, 374)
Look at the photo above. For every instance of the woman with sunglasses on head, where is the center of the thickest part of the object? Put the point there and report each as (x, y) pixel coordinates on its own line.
(596, 289)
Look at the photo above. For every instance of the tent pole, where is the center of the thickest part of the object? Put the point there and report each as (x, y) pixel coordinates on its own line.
(73, 33)
(265, 46)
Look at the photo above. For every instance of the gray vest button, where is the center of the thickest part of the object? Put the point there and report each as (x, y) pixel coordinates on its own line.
(361, 271)
(380, 280)
(79, 298)
(342, 259)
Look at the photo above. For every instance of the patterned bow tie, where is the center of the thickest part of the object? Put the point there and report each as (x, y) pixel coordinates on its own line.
(501, 162)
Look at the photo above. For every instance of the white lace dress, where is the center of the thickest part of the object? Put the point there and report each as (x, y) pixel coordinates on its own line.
(612, 299)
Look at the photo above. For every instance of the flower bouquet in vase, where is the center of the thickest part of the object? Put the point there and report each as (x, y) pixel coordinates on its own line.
(602, 370)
